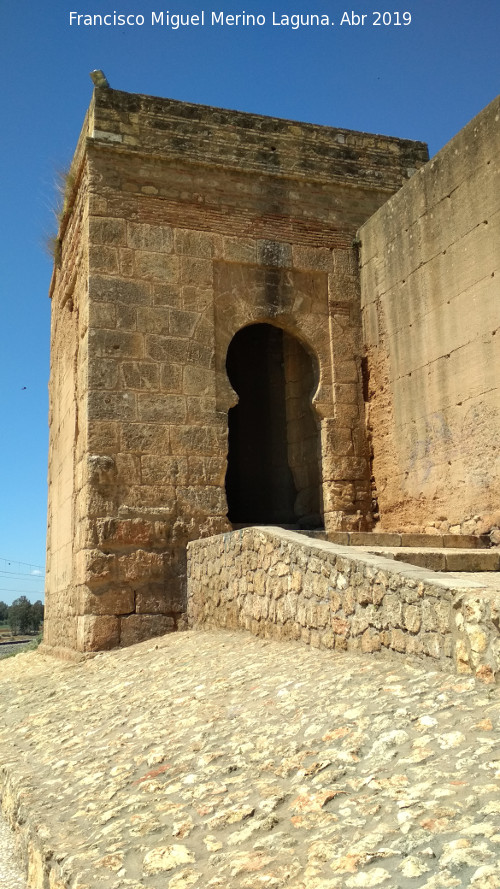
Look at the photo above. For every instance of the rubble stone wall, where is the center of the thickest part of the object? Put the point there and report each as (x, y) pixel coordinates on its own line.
(430, 272)
(196, 223)
(277, 584)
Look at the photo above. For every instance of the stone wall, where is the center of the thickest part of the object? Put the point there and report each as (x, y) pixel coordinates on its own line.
(430, 271)
(194, 223)
(68, 443)
(277, 584)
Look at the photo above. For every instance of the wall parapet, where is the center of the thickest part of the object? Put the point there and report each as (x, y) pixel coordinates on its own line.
(259, 144)
(277, 584)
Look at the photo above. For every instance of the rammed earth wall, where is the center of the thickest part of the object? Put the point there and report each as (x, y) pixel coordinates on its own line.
(430, 299)
(279, 584)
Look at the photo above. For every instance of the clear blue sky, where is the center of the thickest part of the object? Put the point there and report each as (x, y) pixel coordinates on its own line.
(422, 81)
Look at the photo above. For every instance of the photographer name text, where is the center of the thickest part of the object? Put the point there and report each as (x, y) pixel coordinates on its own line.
(220, 19)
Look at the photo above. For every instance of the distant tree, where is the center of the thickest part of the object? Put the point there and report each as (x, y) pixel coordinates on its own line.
(4, 612)
(20, 616)
(36, 616)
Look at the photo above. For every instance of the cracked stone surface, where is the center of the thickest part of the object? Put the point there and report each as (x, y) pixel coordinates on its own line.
(11, 872)
(215, 759)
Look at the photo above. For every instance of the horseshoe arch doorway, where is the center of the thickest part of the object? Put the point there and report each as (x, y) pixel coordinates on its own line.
(273, 473)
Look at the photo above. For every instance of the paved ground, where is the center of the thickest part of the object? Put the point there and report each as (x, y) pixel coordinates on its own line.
(219, 760)
(15, 648)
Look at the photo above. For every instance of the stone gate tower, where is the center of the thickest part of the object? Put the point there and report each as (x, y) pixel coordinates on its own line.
(206, 348)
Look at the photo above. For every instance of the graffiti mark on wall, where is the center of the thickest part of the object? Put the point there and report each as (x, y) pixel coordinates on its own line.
(429, 447)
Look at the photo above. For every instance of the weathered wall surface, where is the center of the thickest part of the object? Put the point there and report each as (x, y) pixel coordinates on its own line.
(67, 506)
(278, 585)
(200, 222)
(430, 273)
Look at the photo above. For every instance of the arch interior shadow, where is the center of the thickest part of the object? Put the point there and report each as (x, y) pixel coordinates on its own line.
(273, 474)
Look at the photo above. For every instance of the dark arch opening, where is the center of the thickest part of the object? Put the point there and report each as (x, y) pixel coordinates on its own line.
(273, 474)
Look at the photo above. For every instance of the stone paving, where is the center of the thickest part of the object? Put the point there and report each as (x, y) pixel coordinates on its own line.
(216, 759)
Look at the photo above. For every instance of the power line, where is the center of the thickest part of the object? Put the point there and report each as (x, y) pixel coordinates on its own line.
(5, 590)
(35, 571)
(17, 562)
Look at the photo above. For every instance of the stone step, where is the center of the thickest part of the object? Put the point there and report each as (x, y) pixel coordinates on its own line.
(437, 552)
(440, 558)
(385, 538)
(422, 541)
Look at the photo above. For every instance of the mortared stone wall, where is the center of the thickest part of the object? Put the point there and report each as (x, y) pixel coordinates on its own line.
(278, 585)
(184, 224)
